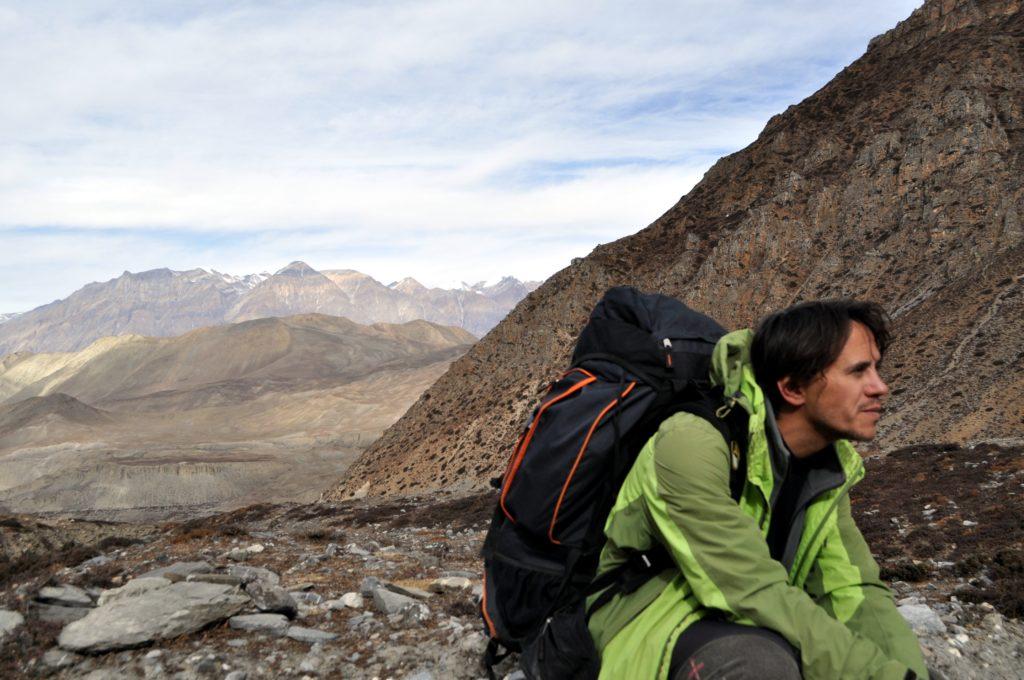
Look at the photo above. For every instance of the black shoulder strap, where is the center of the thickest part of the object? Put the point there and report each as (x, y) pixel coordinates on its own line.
(643, 566)
(732, 424)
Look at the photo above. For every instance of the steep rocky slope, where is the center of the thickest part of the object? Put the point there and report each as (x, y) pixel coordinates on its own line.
(162, 302)
(899, 181)
(271, 409)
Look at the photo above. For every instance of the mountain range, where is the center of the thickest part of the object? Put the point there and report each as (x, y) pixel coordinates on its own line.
(898, 181)
(162, 302)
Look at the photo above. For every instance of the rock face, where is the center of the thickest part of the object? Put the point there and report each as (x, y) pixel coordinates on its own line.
(899, 181)
(177, 609)
(162, 302)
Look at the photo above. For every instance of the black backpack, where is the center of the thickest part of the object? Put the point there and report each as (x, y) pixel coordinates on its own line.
(639, 359)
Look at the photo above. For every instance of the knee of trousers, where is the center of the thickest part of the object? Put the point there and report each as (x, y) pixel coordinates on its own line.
(740, 657)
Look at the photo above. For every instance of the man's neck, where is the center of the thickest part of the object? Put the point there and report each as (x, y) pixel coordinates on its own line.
(801, 437)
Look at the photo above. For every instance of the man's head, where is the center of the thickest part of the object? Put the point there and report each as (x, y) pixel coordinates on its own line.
(818, 364)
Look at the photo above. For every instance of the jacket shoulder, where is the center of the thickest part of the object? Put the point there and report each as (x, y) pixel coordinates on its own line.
(687, 445)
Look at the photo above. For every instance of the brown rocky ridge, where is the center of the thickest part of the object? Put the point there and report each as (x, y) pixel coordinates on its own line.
(898, 181)
(270, 409)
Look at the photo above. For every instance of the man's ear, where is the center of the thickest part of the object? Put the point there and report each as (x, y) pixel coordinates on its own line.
(794, 395)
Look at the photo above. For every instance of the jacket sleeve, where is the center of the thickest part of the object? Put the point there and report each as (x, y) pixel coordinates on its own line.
(726, 562)
(845, 582)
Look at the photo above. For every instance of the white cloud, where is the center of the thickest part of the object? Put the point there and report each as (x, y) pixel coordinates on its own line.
(393, 122)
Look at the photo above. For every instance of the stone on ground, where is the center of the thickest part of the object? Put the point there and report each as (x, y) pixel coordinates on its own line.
(310, 634)
(922, 619)
(9, 620)
(65, 596)
(178, 609)
(270, 598)
(275, 624)
(179, 570)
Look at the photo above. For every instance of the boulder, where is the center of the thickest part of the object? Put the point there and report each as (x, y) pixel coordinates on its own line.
(178, 609)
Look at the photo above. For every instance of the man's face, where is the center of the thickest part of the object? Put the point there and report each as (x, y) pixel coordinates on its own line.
(845, 401)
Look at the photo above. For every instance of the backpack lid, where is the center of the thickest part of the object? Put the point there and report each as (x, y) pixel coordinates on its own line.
(633, 326)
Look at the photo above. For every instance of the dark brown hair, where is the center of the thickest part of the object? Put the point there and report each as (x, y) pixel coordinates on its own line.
(801, 341)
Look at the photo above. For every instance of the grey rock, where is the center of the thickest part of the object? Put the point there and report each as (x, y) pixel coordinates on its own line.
(66, 596)
(133, 588)
(249, 574)
(471, 575)
(179, 571)
(158, 614)
(55, 613)
(237, 642)
(447, 584)
(306, 598)
(310, 634)
(414, 615)
(368, 586)
(226, 579)
(236, 675)
(271, 598)
(9, 620)
(420, 675)
(354, 549)
(922, 619)
(97, 561)
(349, 600)
(57, 658)
(408, 591)
(389, 602)
(275, 624)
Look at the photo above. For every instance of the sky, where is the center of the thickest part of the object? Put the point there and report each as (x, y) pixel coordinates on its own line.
(447, 140)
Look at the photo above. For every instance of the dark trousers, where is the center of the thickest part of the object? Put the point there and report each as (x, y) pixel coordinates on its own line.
(718, 650)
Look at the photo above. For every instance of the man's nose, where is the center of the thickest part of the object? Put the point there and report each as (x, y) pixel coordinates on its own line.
(877, 387)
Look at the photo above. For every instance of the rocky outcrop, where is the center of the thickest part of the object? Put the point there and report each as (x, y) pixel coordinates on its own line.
(899, 181)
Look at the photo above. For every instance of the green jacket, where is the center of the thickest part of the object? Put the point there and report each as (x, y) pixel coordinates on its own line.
(831, 605)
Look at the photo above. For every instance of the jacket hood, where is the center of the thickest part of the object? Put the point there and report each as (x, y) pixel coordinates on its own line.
(730, 368)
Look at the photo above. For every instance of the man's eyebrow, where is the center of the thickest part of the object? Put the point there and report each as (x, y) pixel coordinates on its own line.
(859, 366)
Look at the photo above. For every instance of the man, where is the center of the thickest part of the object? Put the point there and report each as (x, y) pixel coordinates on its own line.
(781, 583)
